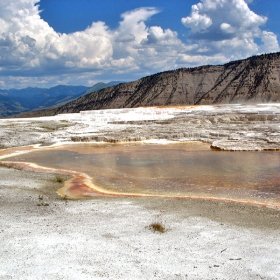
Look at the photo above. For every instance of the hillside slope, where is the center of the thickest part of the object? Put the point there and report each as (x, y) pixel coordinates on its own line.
(253, 80)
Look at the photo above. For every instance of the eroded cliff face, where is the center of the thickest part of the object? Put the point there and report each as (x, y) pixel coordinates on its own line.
(256, 79)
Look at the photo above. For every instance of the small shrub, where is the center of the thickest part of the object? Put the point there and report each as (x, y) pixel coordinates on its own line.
(157, 227)
(59, 179)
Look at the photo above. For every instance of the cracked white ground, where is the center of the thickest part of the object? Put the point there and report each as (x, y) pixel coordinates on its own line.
(109, 238)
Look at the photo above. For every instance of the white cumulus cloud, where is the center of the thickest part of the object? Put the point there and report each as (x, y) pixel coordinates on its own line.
(229, 28)
(31, 50)
(27, 42)
(197, 21)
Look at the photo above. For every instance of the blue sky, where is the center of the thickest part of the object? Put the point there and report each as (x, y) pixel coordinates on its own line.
(81, 42)
(78, 15)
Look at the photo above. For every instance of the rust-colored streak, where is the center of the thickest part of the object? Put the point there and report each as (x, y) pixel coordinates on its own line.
(16, 151)
(77, 187)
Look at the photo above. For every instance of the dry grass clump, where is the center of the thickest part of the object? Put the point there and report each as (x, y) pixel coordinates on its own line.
(157, 227)
(59, 179)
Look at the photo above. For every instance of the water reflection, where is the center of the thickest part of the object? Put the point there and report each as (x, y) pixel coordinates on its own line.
(191, 169)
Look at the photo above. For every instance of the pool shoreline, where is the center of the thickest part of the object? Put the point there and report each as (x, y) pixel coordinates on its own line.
(81, 185)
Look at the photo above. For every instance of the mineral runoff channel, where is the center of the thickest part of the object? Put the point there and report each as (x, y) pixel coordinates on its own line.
(190, 170)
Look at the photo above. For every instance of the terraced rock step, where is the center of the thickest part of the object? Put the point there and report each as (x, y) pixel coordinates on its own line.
(225, 127)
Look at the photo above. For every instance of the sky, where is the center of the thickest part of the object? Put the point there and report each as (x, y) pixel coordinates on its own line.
(44, 43)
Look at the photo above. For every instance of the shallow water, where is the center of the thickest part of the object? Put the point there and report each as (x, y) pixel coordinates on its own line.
(189, 169)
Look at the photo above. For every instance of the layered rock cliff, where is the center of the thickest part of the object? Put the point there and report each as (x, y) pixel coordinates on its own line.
(252, 80)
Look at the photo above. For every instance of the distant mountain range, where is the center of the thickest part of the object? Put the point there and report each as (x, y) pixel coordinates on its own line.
(252, 80)
(15, 101)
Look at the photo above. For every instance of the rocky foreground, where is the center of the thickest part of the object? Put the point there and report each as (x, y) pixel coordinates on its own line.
(225, 127)
(43, 236)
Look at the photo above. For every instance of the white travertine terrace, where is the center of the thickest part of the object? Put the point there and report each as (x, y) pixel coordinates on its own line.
(227, 127)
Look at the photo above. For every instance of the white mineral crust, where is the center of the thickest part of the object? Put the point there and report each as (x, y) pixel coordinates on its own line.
(227, 127)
